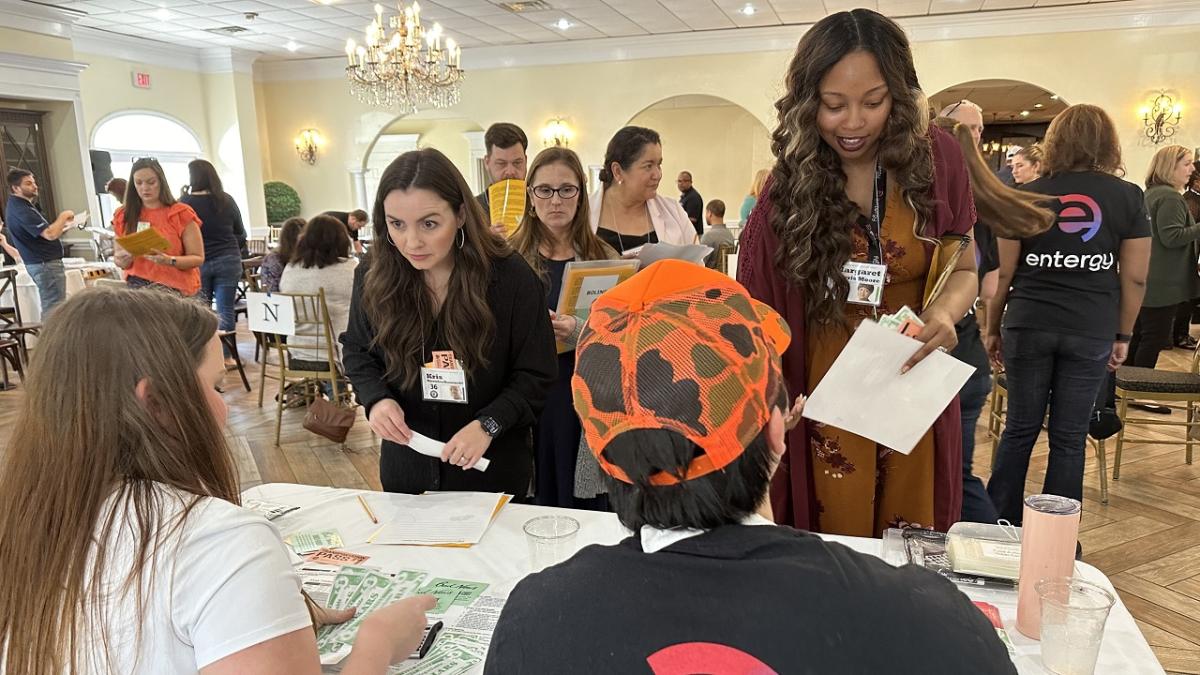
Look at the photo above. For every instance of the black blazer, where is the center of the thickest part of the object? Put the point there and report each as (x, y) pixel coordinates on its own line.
(522, 366)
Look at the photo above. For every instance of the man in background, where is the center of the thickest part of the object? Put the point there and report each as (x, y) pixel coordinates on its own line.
(356, 220)
(717, 233)
(506, 146)
(37, 239)
(976, 505)
(691, 200)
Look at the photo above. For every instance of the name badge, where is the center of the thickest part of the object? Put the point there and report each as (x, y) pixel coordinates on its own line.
(866, 283)
(143, 225)
(444, 385)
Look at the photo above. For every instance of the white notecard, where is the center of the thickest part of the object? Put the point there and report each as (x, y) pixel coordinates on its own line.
(865, 394)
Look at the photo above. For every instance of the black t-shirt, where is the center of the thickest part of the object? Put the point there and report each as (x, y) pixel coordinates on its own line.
(221, 225)
(740, 598)
(25, 226)
(1066, 279)
(344, 218)
(693, 205)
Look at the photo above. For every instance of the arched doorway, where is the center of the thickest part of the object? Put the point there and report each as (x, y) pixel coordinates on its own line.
(129, 134)
(721, 143)
(1015, 113)
(460, 139)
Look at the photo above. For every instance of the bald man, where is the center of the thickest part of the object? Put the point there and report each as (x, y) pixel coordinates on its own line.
(968, 113)
(693, 203)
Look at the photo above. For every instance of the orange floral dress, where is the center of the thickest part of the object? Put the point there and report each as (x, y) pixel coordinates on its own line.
(863, 488)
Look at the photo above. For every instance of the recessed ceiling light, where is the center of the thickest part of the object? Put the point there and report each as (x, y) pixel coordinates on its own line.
(1039, 106)
(1024, 113)
(1053, 97)
(563, 24)
(163, 14)
(748, 10)
(292, 46)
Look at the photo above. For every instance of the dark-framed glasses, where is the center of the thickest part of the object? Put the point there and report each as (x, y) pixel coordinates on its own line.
(564, 192)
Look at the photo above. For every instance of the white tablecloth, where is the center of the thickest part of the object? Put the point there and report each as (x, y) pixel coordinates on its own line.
(502, 559)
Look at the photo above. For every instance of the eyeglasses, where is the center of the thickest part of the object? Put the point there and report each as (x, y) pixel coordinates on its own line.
(564, 192)
(953, 108)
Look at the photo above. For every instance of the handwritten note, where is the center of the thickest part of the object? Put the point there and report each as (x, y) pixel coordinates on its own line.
(451, 592)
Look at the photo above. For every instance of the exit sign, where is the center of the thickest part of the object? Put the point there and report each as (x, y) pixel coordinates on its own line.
(141, 80)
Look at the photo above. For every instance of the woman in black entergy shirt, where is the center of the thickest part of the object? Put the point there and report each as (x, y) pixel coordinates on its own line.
(447, 337)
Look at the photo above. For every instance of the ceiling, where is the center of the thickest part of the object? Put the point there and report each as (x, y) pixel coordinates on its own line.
(319, 28)
(1002, 100)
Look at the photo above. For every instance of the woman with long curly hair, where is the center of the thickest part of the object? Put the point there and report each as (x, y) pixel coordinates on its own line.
(445, 338)
(861, 185)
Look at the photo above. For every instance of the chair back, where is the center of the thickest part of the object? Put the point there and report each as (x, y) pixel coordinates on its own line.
(314, 334)
(10, 315)
(717, 260)
(256, 247)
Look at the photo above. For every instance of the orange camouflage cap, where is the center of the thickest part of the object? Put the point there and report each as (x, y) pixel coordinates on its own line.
(679, 347)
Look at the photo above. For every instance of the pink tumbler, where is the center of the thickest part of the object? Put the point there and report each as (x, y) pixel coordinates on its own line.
(1048, 536)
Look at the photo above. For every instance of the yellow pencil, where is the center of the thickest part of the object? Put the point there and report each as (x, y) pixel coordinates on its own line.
(367, 508)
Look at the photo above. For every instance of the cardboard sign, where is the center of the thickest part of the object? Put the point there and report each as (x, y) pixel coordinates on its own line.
(271, 313)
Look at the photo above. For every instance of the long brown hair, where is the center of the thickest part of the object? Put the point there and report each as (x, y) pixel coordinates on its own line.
(289, 237)
(1008, 212)
(133, 201)
(397, 301)
(83, 436)
(532, 232)
(812, 215)
(1082, 138)
(325, 242)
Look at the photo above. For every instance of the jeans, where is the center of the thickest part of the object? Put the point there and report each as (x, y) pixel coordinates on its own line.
(51, 280)
(976, 504)
(1151, 335)
(219, 276)
(1064, 371)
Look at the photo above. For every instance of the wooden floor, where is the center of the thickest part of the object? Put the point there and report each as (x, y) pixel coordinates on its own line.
(1147, 539)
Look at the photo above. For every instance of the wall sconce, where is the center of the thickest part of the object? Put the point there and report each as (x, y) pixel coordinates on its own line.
(1161, 118)
(557, 133)
(307, 144)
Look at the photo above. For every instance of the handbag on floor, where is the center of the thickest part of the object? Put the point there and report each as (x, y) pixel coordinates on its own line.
(329, 420)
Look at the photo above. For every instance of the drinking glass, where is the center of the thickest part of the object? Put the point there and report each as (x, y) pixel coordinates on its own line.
(1073, 616)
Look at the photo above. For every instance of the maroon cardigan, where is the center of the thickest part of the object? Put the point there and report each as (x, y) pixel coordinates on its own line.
(792, 495)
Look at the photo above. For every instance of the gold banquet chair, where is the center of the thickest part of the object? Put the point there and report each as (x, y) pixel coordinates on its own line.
(1178, 390)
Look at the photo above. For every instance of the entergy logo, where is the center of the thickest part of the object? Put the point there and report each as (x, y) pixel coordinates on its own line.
(1080, 213)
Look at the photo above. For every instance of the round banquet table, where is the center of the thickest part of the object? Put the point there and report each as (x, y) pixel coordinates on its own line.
(502, 559)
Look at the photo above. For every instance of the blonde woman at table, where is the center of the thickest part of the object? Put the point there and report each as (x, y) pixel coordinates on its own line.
(627, 212)
(448, 336)
(150, 204)
(123, 546)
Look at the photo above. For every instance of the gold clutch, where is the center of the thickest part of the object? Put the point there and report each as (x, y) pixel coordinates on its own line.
(945, 258)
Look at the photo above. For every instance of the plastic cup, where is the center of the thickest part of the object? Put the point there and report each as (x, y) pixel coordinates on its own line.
(551, 540)
(1073, 616)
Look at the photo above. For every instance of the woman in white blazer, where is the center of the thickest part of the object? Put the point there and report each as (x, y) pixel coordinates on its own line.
(627, 211)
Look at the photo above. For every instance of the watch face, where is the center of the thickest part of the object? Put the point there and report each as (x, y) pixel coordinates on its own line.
(491, 426)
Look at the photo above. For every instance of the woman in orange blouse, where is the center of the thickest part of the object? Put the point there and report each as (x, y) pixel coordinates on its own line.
(149, 203)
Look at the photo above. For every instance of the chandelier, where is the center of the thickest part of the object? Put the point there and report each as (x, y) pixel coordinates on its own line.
(403, 66)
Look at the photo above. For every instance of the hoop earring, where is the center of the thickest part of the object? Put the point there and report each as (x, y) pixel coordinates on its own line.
(462, 237)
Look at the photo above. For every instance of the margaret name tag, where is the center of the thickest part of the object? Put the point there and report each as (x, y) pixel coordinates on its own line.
(444, 385)
(866, 283)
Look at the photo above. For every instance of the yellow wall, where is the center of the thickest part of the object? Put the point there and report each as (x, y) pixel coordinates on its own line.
(35, 44)
(722, 147)
(1113, 69)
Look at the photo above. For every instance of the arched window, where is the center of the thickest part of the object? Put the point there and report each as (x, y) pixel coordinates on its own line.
(133, 134)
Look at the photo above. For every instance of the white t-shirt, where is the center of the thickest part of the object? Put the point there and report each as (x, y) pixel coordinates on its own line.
(220, 584)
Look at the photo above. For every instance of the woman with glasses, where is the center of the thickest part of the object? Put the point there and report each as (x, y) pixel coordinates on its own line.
(627, 212)
(555, 231)
(150, 204)
(445, 338)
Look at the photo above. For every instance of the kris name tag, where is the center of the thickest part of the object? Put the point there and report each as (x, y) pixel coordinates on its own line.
(866, 282)
(444, 385)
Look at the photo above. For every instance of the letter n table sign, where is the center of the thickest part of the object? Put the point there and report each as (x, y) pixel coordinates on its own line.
(271, 313)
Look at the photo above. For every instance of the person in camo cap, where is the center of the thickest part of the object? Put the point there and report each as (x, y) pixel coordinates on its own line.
(679, 389)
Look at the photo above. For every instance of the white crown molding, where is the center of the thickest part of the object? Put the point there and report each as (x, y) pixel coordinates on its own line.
(144, 50)
(41, 64)
(38, 18)
(967, 25)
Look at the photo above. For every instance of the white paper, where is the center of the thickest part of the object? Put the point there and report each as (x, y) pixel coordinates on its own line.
(274, 314)
(593, 287)
(865, 394)
(446, 518)
(80, 219)
(431, 448)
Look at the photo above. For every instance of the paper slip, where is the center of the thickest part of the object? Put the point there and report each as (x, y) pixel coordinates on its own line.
(450, 592)
(80, 219)
(269, 509)
(332, 556)
(431, 448)
(307, 542)
(144, 242)
(865, 394)
(449, 518)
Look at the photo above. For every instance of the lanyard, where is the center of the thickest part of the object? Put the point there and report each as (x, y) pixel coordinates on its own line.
(874, 229)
